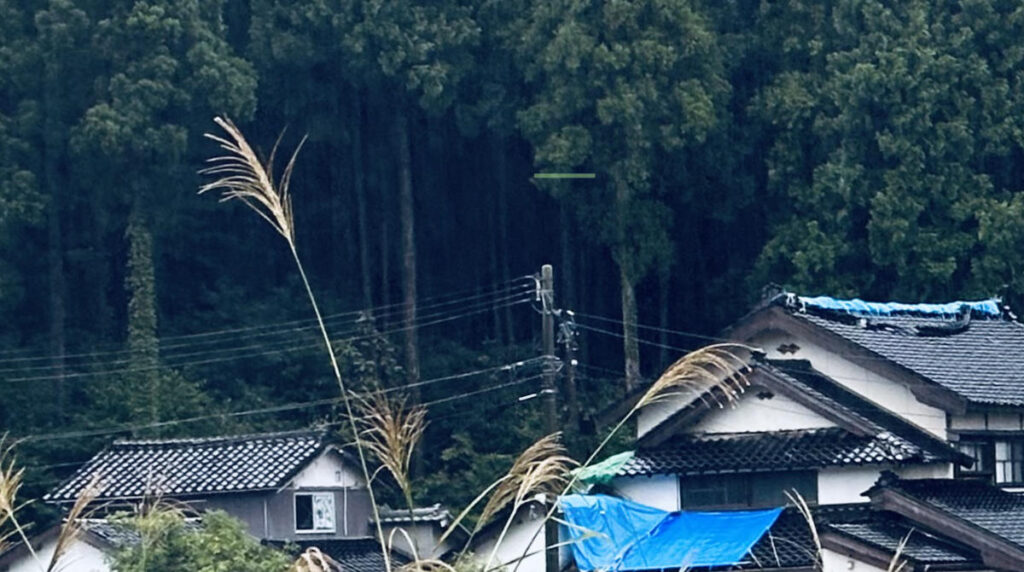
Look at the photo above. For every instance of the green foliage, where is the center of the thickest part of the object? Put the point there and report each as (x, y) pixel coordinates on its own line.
(908, 127)
(219, 543)
(621, 87)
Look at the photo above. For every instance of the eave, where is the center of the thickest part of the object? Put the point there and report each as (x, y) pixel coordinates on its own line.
(775, 318)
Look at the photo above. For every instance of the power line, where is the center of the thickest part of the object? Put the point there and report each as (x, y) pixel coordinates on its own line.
(258, 411)
(288, 349)
(275, 328)
(313, 339)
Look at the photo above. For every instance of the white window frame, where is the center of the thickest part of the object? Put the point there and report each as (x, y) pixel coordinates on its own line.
(331, 509)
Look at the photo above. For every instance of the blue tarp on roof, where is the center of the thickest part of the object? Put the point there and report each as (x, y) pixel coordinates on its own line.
(611, 534)
(857, 306)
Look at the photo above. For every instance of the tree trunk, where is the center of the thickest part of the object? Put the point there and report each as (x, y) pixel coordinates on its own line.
(55, 260)
(630, 345)
(359, 182)
(501, 166)
(407, 220)
(664, 287)
(55, 254)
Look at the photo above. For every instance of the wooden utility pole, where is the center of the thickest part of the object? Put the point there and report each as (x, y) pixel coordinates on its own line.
(547, 299)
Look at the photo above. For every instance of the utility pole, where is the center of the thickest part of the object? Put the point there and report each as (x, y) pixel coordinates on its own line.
(547, 298)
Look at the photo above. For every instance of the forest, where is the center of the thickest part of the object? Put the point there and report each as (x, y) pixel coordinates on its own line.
(844, 147)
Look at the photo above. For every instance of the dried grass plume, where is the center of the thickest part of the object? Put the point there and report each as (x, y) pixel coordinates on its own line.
(240, 175)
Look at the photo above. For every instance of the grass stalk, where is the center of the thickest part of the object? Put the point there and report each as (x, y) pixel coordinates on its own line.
(240, 175)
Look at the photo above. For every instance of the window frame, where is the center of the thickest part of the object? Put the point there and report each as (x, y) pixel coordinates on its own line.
(311, 495)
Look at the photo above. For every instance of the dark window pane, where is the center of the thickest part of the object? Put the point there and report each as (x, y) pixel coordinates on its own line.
(769, 489)
(715, 491)
(303, 512)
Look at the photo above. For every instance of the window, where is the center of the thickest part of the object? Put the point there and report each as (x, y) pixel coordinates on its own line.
(1009, 463)
(748, 490)
(979, 451)
(314, 512)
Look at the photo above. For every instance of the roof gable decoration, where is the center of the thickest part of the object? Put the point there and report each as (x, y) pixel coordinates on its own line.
(195, 467)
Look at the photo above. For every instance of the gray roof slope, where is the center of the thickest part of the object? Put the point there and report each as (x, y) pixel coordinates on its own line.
(788, 543)
(983, 362)
(189, 467)
(983, 505)
(764, 451)
(824, 390)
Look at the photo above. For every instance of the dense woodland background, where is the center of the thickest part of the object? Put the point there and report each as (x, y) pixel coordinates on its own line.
(848, 147)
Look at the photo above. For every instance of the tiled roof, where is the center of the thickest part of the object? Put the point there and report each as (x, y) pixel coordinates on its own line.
(983, 505)
(354, 554)
(887, 533)
(435, 513)
(778, 450)
(809, 381)
(980, 360)
(184, 467)
(788, 542)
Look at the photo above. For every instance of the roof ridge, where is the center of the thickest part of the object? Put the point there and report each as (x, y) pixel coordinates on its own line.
(221, 439)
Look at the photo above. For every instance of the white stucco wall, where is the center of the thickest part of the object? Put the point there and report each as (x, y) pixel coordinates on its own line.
(932, 471)
(659, 491)
(80, 557)
(752, 413)
(886, 393)
(845, 484)
(652, 415)
(835, 562)
(327, 470)
(514, 545)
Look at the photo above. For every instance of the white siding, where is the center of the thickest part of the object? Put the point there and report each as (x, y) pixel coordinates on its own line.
(327, 470)
(659, 491)
(80, 557)
(889, 394)
(752, 413)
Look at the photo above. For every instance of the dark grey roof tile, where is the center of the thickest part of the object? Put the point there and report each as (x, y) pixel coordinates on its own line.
(184, 467)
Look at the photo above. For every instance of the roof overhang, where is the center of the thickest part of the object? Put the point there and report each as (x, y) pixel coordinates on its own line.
(756, 376)
(996, 551)
(775, 318)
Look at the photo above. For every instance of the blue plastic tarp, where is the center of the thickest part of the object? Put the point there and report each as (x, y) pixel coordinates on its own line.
(611, 534)
(860, 307)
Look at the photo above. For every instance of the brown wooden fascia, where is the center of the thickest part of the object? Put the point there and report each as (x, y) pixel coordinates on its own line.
(843, 419)
(778, 319)
(996, 551)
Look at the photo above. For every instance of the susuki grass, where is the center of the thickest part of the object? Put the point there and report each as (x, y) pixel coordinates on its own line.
(391, 430)
(240, 175)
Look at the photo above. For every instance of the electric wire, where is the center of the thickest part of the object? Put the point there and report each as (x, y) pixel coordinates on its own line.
(288, 349)
(313, 338)
(277, 328)
(82, 433)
